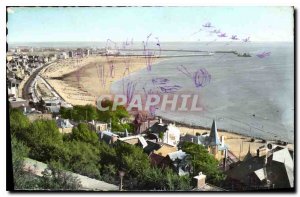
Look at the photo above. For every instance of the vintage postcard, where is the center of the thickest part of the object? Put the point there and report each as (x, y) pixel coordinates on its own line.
(151, 98)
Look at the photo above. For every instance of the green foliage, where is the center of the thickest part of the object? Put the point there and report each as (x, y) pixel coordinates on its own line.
(204, 162)
(44, 139)
(82, 153)
(42, 132)
(19, 123)
(84, 134)
(22, 180)
(82, 158)
(161, 135)
(55, 178)
(131, 158)
(89, 112)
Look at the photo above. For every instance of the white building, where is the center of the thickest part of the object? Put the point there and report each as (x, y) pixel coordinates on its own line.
(63, 55)
(168, 134)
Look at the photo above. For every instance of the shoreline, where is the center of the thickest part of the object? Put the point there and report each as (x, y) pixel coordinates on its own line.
(80, 84)
(64, 82)
(239, 144)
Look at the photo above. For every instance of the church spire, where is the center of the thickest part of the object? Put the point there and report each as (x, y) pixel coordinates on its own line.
(214, 137)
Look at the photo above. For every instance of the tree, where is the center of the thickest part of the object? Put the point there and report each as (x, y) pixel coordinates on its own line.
(204, 162)
(131, 158)
(22, 180)
(18, 122)
(55, 178)
(82, 158)
(44, 140)
(83, 133)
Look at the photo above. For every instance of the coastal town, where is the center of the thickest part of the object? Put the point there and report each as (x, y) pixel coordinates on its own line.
(35, 88)
(150, 99)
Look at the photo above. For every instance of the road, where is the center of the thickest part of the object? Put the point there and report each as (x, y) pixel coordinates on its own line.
(27, 85)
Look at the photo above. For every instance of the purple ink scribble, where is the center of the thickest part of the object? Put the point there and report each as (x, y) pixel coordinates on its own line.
(101, 75)
(234, 37)
(207, 25)
(215, 31)
(127, 46)
(130, 89)
(185, 71)
(111, 50)
(263, 54)
(149, 53)
(222, 35)
(152, 110)
(170, 89)
(200, 78)
(246, 39)
(164, 85)
(160, 81)
(78, 77)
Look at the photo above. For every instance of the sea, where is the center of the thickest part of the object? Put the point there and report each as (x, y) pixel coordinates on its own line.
(252, 96)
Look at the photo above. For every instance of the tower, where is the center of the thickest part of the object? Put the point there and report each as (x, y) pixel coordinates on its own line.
(213, 140)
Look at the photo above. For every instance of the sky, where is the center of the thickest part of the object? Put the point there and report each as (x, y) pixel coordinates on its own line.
(56, 24)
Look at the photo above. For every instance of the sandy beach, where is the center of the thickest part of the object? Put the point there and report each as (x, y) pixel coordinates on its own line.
(238, 144)
(81, 81)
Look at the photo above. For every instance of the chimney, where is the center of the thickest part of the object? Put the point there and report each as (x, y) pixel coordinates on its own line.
(114, 139)
(160, 121)
(257, 152)
(24, 109)
(200, 180)
(222, 139)
(93, 122)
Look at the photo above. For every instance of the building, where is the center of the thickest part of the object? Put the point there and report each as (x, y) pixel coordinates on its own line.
(180, 162)
(137, 140)
(212, 142)
(12, 85)
(52, 106)
(98, 126)
(168, 134)
(201, 184)
(108, 137)
(64, 125)
(273, 170)
(63, 55)
(142, 122)
(71, 54)
(87, 52)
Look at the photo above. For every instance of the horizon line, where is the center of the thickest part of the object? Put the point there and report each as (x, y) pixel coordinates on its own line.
(15, 42)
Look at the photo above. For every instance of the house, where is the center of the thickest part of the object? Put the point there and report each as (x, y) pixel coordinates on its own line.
(63, 55)
(151, 147)
(215, 145)
(108, 137)
(180, 162)
(71, 54)
(201, 184)
(52, 105)
(168, 134)
(135, 140)
(64, 123)
(142, 122)
(12, 87)
(97, 126)
(165, 149)
(273, 170)
(158, 153)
